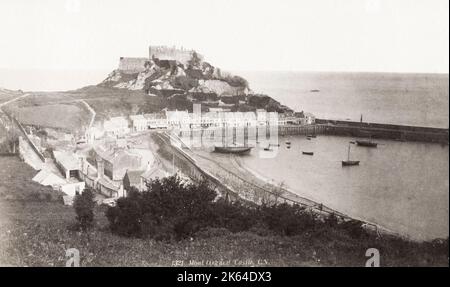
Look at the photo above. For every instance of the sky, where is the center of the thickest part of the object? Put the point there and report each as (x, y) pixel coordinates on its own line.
(314, 35)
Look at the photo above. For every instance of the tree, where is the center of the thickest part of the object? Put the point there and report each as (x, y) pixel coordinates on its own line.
(84, 208)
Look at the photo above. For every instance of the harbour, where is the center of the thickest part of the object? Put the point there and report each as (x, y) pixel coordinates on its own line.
(356, 192)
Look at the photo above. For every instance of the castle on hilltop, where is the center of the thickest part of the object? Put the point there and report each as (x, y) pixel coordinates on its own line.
(137, 65)
(181, 55)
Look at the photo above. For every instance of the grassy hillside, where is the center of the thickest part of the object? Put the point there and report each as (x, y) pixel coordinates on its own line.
(51, 110)
(109, 102)
(37, 233)
(6, 95)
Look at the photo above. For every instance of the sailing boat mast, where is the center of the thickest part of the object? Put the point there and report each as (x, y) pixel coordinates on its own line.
(348, 155)
(349, 162)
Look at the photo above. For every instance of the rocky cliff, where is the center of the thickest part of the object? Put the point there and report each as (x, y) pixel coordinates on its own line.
(194, 80)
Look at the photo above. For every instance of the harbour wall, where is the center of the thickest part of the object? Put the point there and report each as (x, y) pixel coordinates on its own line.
(369, 130)
(384, 131)
(337, 128)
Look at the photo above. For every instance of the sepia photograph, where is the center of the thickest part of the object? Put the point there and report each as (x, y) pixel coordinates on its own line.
(224, 133)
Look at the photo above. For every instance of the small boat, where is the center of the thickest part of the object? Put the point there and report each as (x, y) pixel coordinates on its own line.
(315, 91)
(233, 150)
(288, 143)
(268, 148)
(366, 143)
(349, 162)
(274, 145)
(288, 146)
(308, 153)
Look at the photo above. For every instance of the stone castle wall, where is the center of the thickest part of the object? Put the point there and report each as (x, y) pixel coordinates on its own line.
(137, 65)
(132, 65)
(172, 53)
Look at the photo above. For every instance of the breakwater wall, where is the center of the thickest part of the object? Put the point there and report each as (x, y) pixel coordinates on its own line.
(369, 130)
(383, 131)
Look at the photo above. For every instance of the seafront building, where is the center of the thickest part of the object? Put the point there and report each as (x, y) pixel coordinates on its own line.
(114, 167)
(183, 120)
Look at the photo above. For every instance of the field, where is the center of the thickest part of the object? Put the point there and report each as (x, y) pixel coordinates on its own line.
(64, 116)
(51, 110)
(16, 183)
(108, 102)
(6, 95)
(35, 230)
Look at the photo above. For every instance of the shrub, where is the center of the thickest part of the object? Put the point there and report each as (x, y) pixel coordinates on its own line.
(287, 219)
(84, 208)
(168, 209)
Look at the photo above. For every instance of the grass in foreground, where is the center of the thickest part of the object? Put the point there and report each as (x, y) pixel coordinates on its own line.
(37, 233)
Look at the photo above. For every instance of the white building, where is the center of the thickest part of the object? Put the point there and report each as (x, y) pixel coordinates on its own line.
(68, 164)
(178, 119)
(117, 126)
(139, 123)
(94, 133)
(261, 116)
(156, 121)
(310, 118)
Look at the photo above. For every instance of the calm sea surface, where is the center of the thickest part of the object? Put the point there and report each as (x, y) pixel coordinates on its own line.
(409, 99)
(402, 186)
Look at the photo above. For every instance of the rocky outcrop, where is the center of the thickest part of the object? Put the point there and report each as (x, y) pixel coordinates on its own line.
(187, 81)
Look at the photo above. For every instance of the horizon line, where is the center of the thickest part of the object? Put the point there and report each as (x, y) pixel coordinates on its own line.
(241, 70)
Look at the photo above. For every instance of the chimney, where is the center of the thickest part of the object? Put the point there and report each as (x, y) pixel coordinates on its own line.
(100, 167)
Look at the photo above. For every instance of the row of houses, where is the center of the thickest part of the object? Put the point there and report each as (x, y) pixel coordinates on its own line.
(112, 173)
(125, 167)
(120, 126)
(68, 178)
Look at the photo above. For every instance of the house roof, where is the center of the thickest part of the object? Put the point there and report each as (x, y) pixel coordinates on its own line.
(68, 160)
(154, 173)
(48, 178)
(137, 118)
(121, 159)
(134, 176)
(155, 116)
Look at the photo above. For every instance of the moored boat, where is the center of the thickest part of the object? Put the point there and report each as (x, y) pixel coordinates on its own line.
(366, 143)
(232, 149)
(349, 162)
